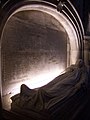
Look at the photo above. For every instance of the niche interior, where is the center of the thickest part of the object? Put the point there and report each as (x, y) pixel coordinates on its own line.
(37, 44)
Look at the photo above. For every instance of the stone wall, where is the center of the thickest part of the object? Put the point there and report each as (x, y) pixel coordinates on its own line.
(87, 50)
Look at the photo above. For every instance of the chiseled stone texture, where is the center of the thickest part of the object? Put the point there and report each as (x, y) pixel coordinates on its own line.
(33, 43)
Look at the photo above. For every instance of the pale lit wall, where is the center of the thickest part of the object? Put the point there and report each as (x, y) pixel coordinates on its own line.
(34, 51)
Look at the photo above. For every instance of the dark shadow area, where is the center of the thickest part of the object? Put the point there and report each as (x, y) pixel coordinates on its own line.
(83, 8)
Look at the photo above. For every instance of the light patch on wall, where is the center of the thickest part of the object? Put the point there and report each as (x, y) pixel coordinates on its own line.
(42, 78)
(37, 81)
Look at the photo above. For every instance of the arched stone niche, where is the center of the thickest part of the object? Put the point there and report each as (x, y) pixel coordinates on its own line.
(37, 44)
